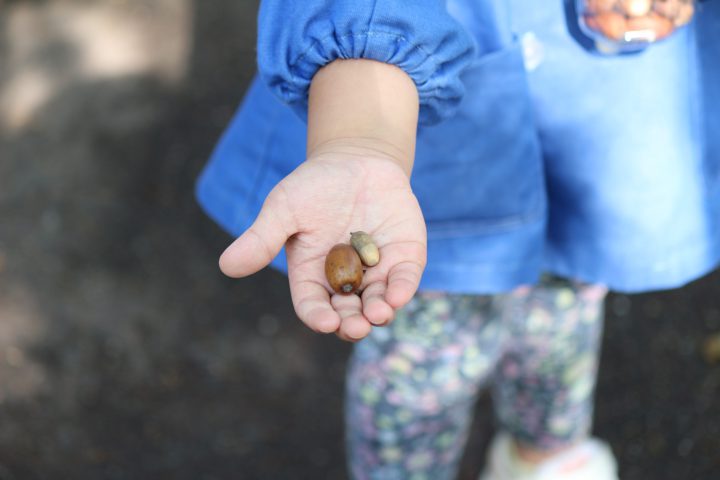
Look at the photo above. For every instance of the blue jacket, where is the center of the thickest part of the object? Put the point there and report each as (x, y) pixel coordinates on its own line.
(534, 153)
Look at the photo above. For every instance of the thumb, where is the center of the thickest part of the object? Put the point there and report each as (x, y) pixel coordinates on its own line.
(260, 243)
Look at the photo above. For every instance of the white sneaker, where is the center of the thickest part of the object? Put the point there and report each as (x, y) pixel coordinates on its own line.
(590, 460)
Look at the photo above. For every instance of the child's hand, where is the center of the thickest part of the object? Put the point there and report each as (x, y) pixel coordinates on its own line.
(362, 123)
(339, 191)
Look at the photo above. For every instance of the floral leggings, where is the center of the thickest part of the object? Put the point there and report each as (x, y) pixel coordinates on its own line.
(412, 386)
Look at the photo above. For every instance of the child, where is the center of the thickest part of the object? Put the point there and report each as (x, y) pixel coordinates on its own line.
(533, 154)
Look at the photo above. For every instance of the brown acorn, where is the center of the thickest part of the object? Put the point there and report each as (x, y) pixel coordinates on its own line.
(685, 14)
(366, 248)
(611, 24)
(659, 25)
(591, 22)
(636, 8)
(667, 8)
(343, 269)
(597, 6)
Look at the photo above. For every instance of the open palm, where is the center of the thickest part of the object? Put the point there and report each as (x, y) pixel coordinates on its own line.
(316, 207)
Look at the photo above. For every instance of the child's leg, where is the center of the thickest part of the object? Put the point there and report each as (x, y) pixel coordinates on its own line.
(412, 387)
(546, 377)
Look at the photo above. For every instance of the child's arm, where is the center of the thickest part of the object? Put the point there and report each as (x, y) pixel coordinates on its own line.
(366, 102)
(361, 138)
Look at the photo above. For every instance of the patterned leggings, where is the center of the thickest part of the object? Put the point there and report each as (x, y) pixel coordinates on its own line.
(412, 386)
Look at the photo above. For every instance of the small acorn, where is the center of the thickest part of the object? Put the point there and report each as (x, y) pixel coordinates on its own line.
(591, 22)
(660, 26)
(667, 8)
(611, 24)
(685, 14)
(597, 6)
(343, 269)
(636, 8)
(366, 248)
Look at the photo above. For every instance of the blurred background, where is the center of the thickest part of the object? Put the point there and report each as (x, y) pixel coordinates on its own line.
(125, 354)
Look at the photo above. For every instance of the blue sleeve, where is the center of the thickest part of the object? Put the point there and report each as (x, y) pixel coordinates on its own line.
(298, 37)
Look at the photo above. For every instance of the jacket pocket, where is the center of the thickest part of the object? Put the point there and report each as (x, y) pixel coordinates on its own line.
(481, 170)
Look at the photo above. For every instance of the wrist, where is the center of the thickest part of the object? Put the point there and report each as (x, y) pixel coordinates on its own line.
(363, 107)
(364, 147)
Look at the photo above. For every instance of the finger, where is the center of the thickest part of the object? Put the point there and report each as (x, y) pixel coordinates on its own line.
(403, 281)
(260, 243)
(353, 324)
(375, 308)
(345, 338)
(312, 306)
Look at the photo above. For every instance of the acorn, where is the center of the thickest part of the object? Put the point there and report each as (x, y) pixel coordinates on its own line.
(591, 22)
(366, 248)
(597, 6)
(636, 8)
(685, 14)
(343, 269)
(667, 8)
(611, 24)
(659, 25)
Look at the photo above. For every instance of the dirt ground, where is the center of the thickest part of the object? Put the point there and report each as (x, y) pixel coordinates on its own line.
(125, 354)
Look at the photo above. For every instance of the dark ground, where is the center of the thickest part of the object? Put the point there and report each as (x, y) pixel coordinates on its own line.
(125, 354)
